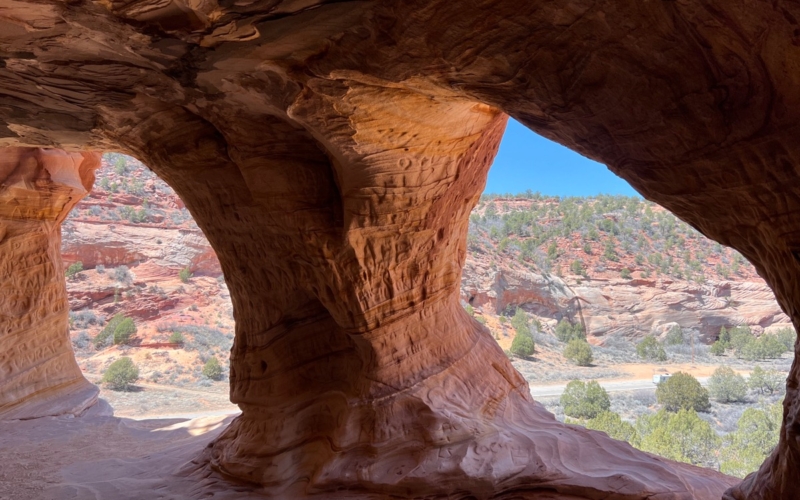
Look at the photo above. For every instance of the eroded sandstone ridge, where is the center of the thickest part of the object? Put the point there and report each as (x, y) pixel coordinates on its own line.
(331, 152)
(38, 372)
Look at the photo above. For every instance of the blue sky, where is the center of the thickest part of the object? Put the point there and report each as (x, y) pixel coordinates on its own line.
(529, 161)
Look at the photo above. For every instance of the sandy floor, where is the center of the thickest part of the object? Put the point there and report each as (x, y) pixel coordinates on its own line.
(54, 458)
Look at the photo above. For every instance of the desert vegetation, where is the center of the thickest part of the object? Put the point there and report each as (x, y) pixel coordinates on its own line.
(733, 435)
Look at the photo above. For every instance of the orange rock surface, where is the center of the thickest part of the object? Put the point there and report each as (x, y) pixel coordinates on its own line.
(331, 151)
(38, 372)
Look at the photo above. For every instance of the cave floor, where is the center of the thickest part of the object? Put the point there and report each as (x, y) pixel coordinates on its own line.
(100, 456)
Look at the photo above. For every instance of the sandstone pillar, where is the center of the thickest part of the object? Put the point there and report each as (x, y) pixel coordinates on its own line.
(38, 372)
(342, 232)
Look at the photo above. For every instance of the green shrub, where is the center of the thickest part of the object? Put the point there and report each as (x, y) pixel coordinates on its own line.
(674, 336)
(74, 270)
(124, 331)
(185, 274)
(523, 346)
(566, 331)
(650, 348)
(579, 352)
(681, 436)
(767, 381)
(727, 386)
(625, 273)
(121, 374)
(682, 391)
(717, 348)
(584, 399)
(788, 337)
(756, 435)
(106, 335)
(764, 347)
(212, 369)
(176, 338)
(739, 337)
(611, 423)
(724, 337)
(520, 322)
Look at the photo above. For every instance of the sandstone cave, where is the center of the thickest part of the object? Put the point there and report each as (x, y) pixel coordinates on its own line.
(331, 152)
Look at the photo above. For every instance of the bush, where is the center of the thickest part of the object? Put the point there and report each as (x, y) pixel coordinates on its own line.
(764, 347)
(766, 380)
(176, 338)
(121, 374)
(650, 348)
(124, 331)
(106, 335)
(185, 275)
(739, 337)
(625, 273)
(674, 336)
(74, 270)
(727, 386)
(611, 423)
(83, 319)
(756, 435)
(717, 348)
(724, 337)
(682, 436)
(520, 322)
(122, 274)
(579, 352)
(787, 336)
(522, 346)
(584, 399)
(566, 331)
(118, 330)
(682, 391)
(212, 369)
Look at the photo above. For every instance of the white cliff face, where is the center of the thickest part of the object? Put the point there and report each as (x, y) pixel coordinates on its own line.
(114, 244)
(619, 307)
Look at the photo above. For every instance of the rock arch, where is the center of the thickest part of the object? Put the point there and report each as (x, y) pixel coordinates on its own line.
(331, 152)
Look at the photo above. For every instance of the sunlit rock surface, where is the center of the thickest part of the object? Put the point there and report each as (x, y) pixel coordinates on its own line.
(331, 151)
(38, 372)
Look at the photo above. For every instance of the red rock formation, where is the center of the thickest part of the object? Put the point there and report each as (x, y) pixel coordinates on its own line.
(331, 152)
(38, 372)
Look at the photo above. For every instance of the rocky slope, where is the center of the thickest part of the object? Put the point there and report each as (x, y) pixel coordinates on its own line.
(133, 238)
(627, 269)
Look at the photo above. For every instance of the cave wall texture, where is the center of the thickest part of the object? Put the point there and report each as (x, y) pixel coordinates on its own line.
(332, 151)
(38, 372)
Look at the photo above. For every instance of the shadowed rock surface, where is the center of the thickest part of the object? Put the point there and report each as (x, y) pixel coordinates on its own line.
(332, 151)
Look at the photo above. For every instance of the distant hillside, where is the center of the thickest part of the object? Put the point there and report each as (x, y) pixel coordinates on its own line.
(619, 266)
(600, 236)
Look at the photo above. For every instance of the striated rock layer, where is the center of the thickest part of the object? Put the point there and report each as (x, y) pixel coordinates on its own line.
(620, 307)
(38, 372)
(331, 151)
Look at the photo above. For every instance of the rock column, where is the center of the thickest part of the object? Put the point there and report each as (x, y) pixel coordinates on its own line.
(342, 233)
(38, 372)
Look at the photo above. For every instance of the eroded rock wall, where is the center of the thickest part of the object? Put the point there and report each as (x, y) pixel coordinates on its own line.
(38, 372)
(620, 307)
